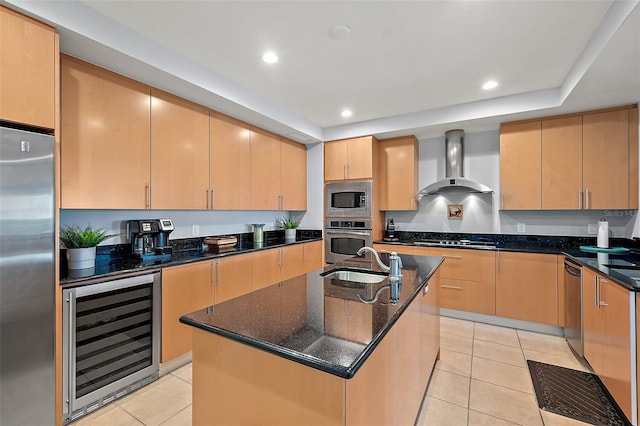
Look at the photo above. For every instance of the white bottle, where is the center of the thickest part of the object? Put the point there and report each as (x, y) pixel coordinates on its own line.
(603, 234)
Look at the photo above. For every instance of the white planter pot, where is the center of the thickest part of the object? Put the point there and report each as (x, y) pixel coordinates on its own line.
(289, 234)
(81, 258)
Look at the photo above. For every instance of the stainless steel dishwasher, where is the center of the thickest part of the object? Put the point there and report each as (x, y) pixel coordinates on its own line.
(573, 319)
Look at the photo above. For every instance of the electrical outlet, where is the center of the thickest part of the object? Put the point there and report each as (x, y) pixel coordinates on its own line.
(195, 230)
(521, 227)
(592, 228)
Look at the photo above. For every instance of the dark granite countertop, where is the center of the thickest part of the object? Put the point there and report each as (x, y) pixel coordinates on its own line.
(613, 266)
(295, 320)
(550, 244)
(113, 261)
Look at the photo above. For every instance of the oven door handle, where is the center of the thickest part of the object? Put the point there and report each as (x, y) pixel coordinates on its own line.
(364, 234)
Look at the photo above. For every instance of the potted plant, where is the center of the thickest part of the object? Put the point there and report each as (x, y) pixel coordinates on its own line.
(81, 245)
(289, 226)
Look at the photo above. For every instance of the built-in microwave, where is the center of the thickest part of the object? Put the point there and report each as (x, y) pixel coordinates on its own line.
(348, 199)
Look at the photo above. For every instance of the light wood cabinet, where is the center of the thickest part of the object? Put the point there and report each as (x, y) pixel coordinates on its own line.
(279, 264)
(231, 277)
(607, 334)
(293, 175)
(265, 171)
(312, 256)
(230, 160)
(467, 278)
(349, 159)
(185, 288)
(520, 166)
(527, 287)
(562, 163)
(179, 148)
(401, 249)
(605, 150)
(28, 53)
(399, 173)
(584, 161)
(105, 139)
(278, 173)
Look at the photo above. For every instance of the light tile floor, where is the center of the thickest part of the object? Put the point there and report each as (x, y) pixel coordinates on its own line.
(481, 379)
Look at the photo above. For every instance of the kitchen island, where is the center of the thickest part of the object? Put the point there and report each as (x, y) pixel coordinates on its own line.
(309, 351)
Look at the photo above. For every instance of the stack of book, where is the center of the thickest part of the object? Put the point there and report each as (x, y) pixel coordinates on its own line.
(221, 244)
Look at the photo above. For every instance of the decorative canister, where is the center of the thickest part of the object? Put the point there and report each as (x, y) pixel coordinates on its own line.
(258, 232)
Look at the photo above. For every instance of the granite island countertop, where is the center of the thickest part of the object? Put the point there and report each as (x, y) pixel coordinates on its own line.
(318, 321)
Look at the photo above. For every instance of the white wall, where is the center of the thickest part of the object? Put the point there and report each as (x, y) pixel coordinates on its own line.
(481, 211)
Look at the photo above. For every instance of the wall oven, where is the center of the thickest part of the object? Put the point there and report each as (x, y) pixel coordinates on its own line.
(345, 237)
(348, 199)
(111, 336)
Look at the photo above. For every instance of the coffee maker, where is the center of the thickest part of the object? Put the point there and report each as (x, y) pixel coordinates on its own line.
(150, 237)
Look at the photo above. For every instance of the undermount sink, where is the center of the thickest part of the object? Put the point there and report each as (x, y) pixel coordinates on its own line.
(354, 276)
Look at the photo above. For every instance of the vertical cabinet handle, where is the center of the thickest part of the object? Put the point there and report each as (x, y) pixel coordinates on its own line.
(344, 171)
(579, 198)
(586, 196)
(208, 199)
(212, 199)
(601, 303)
(147, 196)
(597, 293)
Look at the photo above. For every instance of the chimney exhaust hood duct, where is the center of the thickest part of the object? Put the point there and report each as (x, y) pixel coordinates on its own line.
(455, 181)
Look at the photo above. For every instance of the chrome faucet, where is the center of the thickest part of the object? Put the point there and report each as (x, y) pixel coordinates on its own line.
(395, 273)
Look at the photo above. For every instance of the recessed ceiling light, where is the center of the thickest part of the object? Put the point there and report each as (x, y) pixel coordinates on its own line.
(270, 57)
(340, 31)
(491, 84)
(346, 113)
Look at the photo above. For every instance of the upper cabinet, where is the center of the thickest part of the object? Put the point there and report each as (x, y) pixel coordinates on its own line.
(520, 164)
(179, 153)
(28, 52)
(349, 159)
(230, 160)
(562, 163)
(578, 161)
(105, 139)
(128, 146)
(398, 173)
(278, 173)
(293, 175)
(605, 159)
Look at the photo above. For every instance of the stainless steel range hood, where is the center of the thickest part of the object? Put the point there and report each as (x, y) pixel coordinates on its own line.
(454, 182)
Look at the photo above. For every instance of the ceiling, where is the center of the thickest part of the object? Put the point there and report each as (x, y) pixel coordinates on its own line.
(413, 67)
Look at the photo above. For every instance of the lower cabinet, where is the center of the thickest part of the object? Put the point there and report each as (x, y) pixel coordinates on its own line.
(312, 256)
(278, 264)
(231, 277)
(527, 287)
(607, 334)
(467, 279)
(185, 288)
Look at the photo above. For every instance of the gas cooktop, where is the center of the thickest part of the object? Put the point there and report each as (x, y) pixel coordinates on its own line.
(456, 243)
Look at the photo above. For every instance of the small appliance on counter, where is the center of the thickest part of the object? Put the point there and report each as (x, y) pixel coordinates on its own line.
(390, 234)
(150, 237)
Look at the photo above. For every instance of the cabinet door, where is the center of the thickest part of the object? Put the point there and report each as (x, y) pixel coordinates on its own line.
(265, 171)
(105, 148)
(232, 277)
(292, 262)
(606, 160)
(592, 334)
(464, 264)
(468, 296)
(293, 175)
(520, 166)
(28, 57)
(312, 255)
(527, 288)
(335, 160)
(616, 374)
(185, 289)
(179, 153)
(562, 163)
(634, 127)
(399, 159)
(360, 158)
(266, 268)
(229, 175)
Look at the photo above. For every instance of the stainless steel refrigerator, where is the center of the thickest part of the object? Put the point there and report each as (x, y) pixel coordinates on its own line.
(27, 319)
